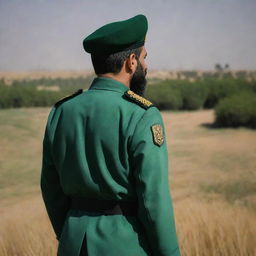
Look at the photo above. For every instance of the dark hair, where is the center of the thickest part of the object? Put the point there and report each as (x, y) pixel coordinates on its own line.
(112, 63)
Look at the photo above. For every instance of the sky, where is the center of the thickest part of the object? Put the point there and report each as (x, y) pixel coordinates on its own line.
(183, 34)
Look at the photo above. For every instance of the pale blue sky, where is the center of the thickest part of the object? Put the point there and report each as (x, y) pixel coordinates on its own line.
(183, 34)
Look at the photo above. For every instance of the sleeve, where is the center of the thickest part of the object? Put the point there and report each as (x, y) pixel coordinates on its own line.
(150, 165)
(56, 202)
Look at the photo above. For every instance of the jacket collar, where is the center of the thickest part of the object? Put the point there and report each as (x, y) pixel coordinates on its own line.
(108, 84)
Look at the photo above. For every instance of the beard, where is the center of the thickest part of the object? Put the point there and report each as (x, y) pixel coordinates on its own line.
(138, 82)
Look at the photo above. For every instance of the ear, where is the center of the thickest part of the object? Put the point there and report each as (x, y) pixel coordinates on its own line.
(131, 63)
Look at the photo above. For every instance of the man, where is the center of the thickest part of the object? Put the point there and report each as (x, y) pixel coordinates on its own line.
(105, 163)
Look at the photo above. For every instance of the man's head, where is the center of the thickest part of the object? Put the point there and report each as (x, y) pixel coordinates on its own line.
(129, 63)
(117, 50)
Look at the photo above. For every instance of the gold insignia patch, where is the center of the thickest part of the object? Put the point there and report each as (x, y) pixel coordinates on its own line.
(158, 135)
(139, 99)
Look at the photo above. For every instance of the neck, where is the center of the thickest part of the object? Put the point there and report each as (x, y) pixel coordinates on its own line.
(119, 78)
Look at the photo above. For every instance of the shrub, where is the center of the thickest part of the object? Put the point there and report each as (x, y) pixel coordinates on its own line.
(193, 95)
(177, 94)
(164, 96)
(237, 110)
(27, 96)
(220, 88)
(24, 93)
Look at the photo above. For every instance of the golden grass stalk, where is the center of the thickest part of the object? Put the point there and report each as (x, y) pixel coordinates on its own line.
(204, 229)
(216, 229)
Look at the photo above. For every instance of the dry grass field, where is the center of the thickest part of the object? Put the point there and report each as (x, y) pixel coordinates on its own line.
(212, 179)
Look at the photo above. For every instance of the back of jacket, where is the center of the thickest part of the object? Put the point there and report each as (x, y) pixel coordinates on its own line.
(102, 144)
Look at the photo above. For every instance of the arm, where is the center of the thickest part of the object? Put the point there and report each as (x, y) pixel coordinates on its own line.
(56, 202)
(150, 163)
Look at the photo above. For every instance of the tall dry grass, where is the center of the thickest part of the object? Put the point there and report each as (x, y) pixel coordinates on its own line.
(27, 237)
(216, 229)
(207, 167)
(203, 229)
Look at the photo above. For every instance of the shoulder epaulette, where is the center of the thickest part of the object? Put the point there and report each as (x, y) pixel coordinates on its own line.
(68, 97)
(138, 99)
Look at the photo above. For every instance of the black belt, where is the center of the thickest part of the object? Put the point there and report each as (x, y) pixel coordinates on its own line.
(105, 207)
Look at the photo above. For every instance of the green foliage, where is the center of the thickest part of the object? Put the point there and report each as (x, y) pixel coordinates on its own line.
(237, 110)
(193, 95)
(177, 95)
(164, 96)
(187, 95)
(222, 88)
(16, 96)
(189, 74)
(182, 94)
(25, 93)
(66, 85)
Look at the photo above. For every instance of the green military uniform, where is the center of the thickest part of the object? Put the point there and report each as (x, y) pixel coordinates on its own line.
(107, 143)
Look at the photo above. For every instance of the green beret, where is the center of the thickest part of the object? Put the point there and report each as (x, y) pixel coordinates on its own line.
(117, 36)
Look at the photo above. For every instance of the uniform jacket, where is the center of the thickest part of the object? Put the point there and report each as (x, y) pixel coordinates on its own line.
(100, 145)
